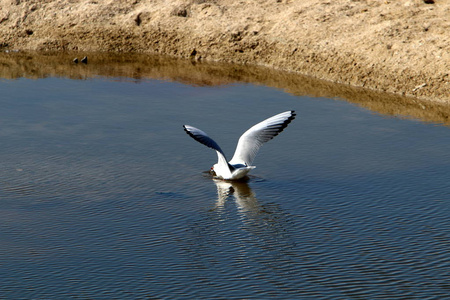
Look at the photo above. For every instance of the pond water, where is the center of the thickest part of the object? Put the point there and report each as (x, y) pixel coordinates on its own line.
(103, 195)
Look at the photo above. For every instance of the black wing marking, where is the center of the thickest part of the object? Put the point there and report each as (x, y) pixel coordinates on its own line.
(202, 137)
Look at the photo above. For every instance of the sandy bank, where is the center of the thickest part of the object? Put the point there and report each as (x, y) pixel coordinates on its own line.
(401, 47)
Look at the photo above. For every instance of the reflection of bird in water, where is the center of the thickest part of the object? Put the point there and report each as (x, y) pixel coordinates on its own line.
(245, 234)
(240, 190)
(247, 147)
(266, 221)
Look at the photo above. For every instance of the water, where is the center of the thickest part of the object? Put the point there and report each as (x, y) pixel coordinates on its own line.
(103, 195)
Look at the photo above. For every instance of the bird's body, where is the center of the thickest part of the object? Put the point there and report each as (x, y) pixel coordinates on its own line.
(247, 147)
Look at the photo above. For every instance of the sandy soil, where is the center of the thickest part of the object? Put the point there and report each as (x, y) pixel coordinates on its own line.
(401, 47)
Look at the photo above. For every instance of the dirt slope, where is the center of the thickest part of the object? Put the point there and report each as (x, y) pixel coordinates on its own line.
(401, 47)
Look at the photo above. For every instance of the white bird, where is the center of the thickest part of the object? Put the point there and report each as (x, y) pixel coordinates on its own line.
(247, 147)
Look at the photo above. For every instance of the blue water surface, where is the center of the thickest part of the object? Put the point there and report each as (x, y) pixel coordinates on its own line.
(104, 196)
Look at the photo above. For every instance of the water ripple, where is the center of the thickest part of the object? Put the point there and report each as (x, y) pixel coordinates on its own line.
(98, 202)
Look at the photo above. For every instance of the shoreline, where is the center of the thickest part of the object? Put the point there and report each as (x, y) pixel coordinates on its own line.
(400, 48)
(142, 67)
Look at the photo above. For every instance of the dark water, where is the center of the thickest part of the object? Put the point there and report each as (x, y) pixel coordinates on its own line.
(103, 196)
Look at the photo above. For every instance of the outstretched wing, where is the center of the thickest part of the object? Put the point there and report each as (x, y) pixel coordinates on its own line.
(250, 142)
(202, 137)
(224, 168)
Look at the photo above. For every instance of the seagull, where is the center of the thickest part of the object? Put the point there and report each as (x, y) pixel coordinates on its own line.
(247, 147)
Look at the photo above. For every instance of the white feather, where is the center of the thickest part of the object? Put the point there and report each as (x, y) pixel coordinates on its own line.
(247, 147)
(250, 142)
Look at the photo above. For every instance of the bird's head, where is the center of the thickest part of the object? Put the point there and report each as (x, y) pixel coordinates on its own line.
(212, 170)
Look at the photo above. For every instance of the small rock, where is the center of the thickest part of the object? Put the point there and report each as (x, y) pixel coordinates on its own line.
(138, 19)
(84, 60)
(428, 1)
(75, 60)
(180, 12)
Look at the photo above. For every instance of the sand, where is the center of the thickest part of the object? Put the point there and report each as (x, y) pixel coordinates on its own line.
(399, 47)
